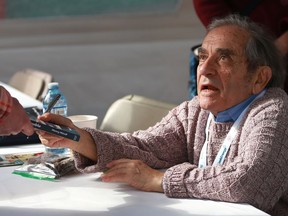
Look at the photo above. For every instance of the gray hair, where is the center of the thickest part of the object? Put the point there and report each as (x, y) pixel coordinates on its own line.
(260, 49)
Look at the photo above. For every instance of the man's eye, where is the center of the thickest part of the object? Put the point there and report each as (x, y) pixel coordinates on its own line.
(223, 57)
(202, 57)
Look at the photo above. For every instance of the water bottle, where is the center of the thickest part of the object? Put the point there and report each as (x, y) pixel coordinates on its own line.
(59, 108)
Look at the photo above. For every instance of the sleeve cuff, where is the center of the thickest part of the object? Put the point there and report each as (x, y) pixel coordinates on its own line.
(174, 180)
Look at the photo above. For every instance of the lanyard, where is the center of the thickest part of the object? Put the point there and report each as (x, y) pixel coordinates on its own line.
(227, 142)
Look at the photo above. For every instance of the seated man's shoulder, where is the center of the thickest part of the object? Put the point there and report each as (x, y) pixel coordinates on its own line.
(274, 102)
(277, 95)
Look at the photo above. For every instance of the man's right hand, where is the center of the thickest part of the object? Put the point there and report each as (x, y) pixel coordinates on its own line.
(86, 145)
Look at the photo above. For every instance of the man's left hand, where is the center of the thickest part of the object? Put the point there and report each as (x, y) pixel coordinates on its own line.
(135, 173)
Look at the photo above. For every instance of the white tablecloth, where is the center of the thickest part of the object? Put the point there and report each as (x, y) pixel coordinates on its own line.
(84, 194)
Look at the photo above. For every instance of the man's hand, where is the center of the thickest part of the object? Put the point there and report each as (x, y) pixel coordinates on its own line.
(86, 145)
(135, 173)
(52, 140)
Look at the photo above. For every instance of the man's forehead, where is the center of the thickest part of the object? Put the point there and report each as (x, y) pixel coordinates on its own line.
(229, 32)
(226, 38)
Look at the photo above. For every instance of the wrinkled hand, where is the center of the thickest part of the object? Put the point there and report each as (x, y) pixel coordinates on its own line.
(86, 145)
(135, 173)
(52, 140)
(16, 121)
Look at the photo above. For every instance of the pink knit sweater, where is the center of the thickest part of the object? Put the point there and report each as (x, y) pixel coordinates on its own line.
(255, 170)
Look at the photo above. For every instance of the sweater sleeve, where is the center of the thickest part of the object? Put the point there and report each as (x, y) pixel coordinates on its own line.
(5, 102)
(160, 146)
(255, 170)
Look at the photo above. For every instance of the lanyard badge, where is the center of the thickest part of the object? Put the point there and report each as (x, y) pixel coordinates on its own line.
(220, 157)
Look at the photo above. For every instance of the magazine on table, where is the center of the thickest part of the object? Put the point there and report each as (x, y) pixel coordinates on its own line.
(17, 158)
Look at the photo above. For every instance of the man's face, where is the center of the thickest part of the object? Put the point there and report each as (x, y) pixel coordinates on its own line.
(222, 72)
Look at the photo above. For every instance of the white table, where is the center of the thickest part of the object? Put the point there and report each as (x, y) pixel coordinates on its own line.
(84, 194)
(24, 99)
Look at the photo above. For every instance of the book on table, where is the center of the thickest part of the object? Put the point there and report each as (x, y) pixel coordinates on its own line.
(59, 130)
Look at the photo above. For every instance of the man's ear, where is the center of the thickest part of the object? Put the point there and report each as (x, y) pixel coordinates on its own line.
(262, 76)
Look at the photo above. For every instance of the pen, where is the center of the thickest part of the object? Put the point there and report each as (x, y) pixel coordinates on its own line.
(52, 103)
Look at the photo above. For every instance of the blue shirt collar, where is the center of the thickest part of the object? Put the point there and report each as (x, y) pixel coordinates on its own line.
(231, 114)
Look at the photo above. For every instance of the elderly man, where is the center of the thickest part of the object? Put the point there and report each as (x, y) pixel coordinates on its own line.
(229, 143)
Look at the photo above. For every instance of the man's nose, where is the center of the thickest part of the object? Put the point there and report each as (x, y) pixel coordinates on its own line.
(207, 67)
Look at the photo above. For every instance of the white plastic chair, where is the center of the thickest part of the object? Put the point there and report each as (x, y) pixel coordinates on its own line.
(134, 112)
(31, 82)
(46, 77)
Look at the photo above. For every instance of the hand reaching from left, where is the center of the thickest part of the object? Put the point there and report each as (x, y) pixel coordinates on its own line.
(16, 121)
(135, 173)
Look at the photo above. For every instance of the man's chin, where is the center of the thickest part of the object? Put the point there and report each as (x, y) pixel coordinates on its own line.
(207, 103)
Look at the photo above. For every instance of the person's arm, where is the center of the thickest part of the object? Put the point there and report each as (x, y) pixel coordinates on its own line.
(153, 146)
(133, 158)
(134, 172)
(136, 158)
(150, 146)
